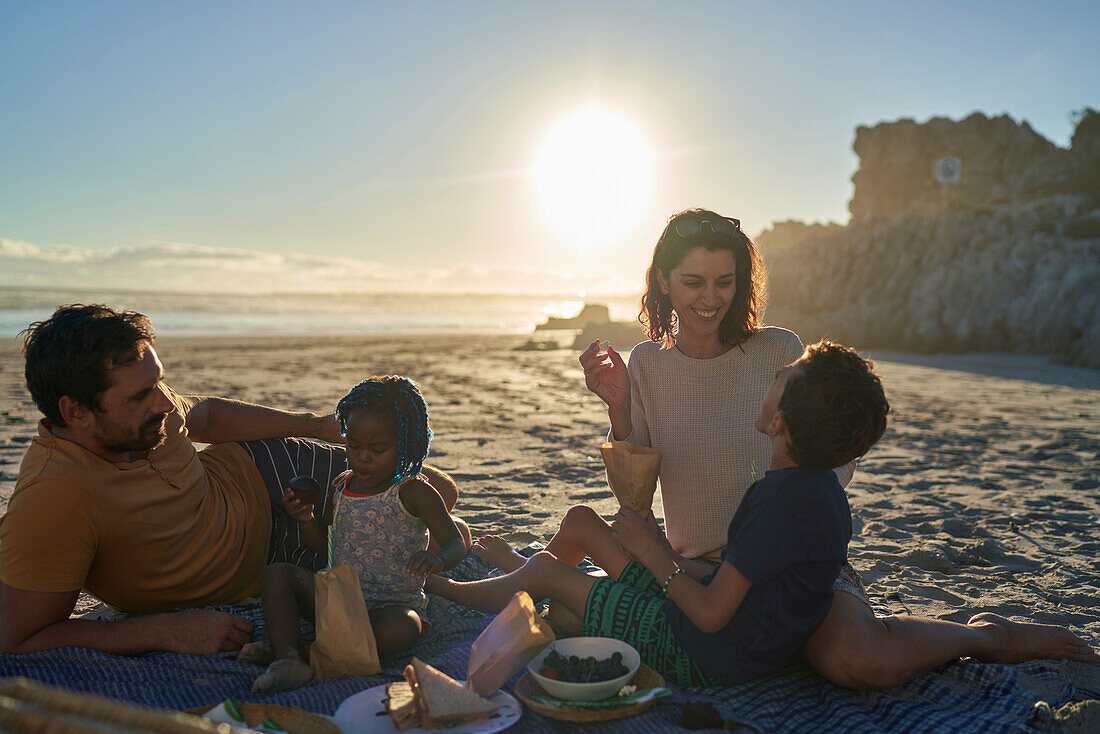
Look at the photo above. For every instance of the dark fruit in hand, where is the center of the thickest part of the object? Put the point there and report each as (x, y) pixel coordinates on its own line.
(306, 489)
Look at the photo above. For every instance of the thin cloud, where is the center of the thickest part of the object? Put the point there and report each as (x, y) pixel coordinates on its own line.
(182, 267)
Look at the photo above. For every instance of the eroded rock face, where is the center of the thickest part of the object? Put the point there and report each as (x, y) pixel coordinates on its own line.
(1012, 265)
(964, 282)
(1002, 162)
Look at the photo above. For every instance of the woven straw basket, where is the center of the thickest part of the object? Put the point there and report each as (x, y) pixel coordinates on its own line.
(527, 687)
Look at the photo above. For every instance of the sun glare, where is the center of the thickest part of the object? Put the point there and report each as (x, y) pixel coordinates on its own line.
(593, 177)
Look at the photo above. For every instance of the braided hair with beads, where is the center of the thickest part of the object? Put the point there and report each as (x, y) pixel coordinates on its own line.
(398, 397)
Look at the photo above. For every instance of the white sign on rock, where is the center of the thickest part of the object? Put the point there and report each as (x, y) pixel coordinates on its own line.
(948, 170)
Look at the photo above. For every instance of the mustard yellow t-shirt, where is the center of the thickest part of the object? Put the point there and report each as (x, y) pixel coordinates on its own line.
(182, 528)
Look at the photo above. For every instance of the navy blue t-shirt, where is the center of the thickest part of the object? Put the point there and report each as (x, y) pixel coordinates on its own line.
(789, 538)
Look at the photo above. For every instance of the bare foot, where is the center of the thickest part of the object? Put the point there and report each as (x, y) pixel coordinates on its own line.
(1016, 642)
(256, 653)
(496, 551)
(282, 675)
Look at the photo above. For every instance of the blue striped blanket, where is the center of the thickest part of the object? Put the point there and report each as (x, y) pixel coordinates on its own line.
(964, 696)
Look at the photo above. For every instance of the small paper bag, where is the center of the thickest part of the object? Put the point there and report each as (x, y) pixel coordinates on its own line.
(509, 642)
(632, 473)
(345, 643)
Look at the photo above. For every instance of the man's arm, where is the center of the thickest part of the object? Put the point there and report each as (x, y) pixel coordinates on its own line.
(39, 620)
(214, 420)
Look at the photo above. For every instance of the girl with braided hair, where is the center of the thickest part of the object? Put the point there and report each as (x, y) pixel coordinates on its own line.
(380, 522)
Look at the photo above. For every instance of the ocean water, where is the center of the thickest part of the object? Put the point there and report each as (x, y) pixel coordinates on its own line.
(294, 314)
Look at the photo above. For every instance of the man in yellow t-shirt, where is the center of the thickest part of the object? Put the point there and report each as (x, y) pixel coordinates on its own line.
(113, 497)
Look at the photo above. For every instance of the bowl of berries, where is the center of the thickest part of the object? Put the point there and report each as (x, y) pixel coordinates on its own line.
(584, 668)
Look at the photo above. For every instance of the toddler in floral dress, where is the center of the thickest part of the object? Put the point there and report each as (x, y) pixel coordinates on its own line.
(380, 523)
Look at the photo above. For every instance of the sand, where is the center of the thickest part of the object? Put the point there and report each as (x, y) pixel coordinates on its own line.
(984, 494)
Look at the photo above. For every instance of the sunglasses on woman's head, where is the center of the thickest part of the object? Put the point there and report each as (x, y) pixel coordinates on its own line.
(691, 226)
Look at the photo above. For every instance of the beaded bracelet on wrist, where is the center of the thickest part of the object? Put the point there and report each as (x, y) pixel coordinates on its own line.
(671, 576)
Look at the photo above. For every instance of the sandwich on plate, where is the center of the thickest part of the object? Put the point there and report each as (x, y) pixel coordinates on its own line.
(440, 701)
(401, 705)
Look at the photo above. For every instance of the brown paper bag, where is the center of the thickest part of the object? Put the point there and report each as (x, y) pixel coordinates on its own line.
(632, 473)
(345, 643)
(509, 642)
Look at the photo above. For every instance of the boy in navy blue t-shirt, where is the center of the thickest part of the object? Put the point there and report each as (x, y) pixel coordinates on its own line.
(789, 537)
(786, 545)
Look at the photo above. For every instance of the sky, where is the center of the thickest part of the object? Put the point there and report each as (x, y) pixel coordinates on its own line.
(406, 145)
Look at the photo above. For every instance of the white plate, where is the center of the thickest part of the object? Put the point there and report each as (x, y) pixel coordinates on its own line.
(365, 713)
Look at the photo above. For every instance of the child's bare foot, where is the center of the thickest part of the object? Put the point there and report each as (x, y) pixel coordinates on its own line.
(256, 653)
(496, 551)
(282, 675)
(1016, 642)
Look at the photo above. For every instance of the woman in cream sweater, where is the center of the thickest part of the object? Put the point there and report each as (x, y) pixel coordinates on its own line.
(693, 391)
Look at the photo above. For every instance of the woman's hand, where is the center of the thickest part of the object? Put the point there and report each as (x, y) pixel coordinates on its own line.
(638, 536)
(424, 564)
(296, 508)
(605, 375)
(655, 530)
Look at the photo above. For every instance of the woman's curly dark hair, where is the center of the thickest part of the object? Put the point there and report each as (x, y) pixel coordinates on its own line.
(743, 318)
(834, 406)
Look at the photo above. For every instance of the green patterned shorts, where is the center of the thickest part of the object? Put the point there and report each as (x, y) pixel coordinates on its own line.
(630, 610)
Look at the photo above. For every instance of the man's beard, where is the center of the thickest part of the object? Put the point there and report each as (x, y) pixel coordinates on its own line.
(148, 437)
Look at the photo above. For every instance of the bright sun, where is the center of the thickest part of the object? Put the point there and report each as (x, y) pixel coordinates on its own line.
(593, 177)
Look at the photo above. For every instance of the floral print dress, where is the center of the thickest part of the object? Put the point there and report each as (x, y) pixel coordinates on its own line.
(376, 535)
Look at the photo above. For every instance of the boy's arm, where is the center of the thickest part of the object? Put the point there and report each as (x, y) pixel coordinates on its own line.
(709, 607)
(696, 569)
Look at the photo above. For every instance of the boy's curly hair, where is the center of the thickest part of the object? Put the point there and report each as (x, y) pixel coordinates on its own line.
(400, 398)
(834, 406)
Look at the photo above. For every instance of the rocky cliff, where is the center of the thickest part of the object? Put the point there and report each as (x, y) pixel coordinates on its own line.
(1012, 264)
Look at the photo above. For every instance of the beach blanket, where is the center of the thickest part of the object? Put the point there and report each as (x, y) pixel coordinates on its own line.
(963, 696)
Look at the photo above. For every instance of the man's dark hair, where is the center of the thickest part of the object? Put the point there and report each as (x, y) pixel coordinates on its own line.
(834, 406)
(72, 352)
